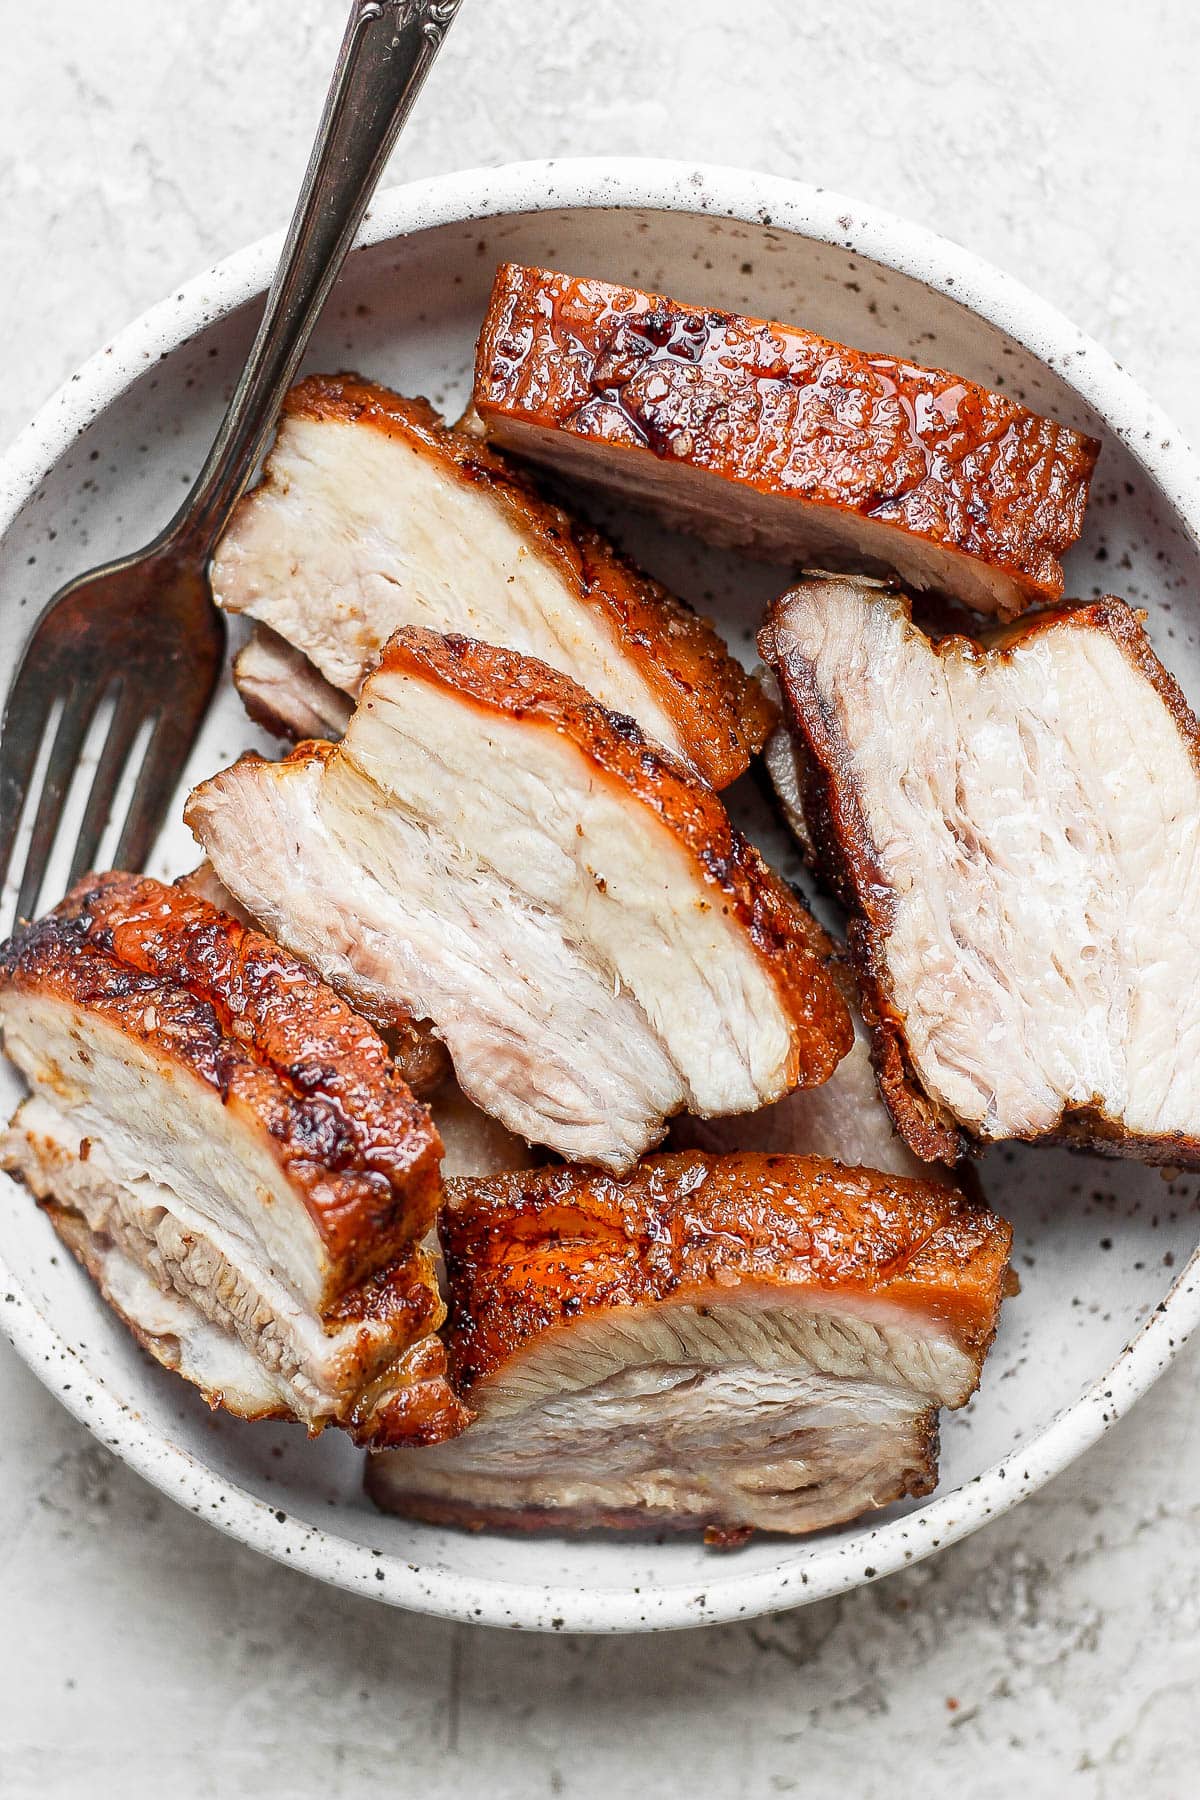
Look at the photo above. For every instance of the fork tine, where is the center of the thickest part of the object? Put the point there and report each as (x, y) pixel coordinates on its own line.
(122, 729)
(25, 714)
(166, 748)
(77, 714)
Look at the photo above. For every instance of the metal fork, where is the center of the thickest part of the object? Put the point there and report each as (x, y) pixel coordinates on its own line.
(142, 633)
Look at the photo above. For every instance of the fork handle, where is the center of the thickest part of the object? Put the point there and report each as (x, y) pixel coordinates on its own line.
(385, 56)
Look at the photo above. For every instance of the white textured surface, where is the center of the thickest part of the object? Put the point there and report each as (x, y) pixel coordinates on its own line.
(142, 1652)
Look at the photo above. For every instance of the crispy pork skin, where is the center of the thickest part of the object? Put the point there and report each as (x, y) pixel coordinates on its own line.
(231, 1153)
(419, 1056)
(717, 1343)
(1014, 826)
(567, 904)
(768, 438)
(372, 514)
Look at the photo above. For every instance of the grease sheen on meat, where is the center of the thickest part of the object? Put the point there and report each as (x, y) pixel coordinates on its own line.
(232, 1155)
(718, 1343)
(1015, 828)
(769, 438)
(567, 905)
(373, 514)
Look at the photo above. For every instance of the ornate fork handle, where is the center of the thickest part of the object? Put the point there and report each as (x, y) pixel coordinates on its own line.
(386, 54)
(434, 16)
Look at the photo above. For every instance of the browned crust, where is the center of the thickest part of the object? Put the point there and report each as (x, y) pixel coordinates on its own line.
(533, 1251)
(203, 883)
(780, 410)
(1091, 1128)
(720, 1532)
(788, 940)
(253, 1023)
(929, 1129)
(847, 858)
(421, 1059)
(419, 1409)
(720, 711)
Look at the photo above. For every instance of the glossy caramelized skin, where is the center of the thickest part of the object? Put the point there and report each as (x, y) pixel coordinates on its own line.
(723, 1344)
(814, 425)
(263, 1030)
(501, 560)
(530, 1253)
(232, 1154)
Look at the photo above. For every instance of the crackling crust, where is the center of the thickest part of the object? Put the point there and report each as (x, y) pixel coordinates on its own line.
(775, 409)
(533, 1251)
(242, 1016)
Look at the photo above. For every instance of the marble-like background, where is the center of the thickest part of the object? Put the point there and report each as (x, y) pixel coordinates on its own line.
(1057, 1652)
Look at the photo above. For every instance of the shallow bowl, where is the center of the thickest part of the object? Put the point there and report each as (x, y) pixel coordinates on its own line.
(1106, 1251)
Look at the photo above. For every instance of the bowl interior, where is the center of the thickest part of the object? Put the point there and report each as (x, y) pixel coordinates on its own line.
(1096, 1242)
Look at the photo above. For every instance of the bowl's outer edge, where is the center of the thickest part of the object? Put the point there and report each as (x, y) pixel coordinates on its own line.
(835, 1565)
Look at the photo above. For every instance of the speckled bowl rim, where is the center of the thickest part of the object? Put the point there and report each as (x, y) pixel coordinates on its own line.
(820, 1567)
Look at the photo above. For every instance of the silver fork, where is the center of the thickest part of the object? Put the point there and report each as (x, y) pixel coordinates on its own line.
(142, 633)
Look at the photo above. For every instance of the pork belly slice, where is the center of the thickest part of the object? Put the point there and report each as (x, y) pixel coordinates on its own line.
(569, 907)
(188, 1292)
(373, 513)
(231, 1153)
(419, 1057)
(717, 1343)
(845, 1118)
(1015, 828)
(768, 438)
(285, 693)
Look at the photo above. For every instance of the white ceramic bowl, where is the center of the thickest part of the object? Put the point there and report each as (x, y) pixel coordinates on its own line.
(1105, 1251)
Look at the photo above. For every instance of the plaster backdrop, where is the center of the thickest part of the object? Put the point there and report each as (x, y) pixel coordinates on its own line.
(1059, 1651)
